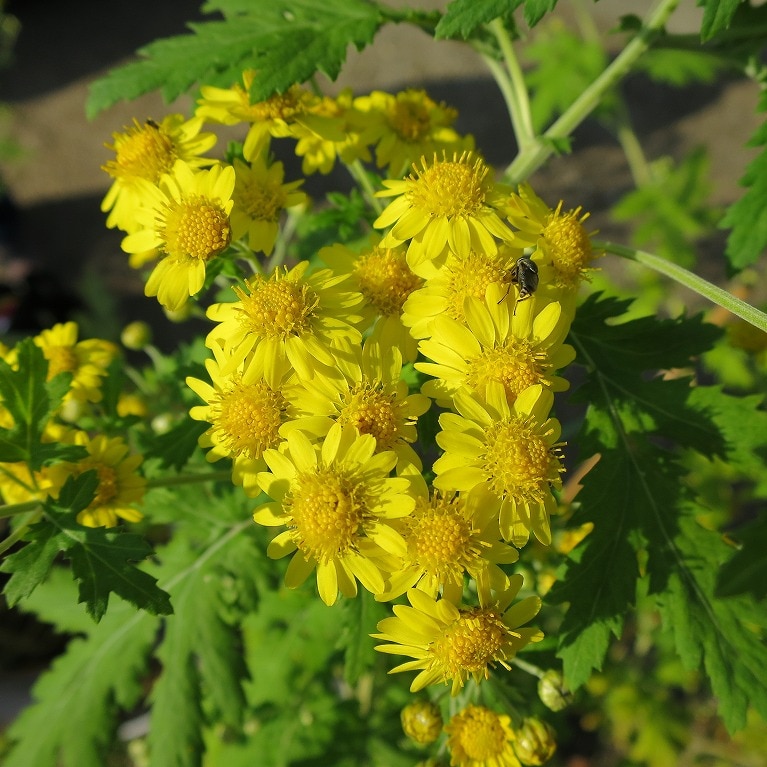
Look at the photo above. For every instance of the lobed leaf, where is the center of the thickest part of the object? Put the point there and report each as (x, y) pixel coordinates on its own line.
(463, 17)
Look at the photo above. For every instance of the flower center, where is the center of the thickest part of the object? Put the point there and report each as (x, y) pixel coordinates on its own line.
(106, 490)
(144, 151)
(327, 514)
(482, 737)
(261, 201)
(250, 417)
(385, 279)
(569, 245)
(517, 459)
(472, 642)
(281, 106)
(277, 308)
(449, 188)
(515, 365)
(439, 538)
(196, 227)
(61, 359)
(371, 412)
(410, 116)
(470, 276)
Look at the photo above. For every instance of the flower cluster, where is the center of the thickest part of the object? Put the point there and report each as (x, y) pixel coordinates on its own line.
(460, 298)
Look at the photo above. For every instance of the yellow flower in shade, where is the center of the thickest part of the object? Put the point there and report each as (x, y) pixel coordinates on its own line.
(120, 485)
(87, 360)
(366, 392)
(245, 414)
(563, 246)
(259, 199)
(19, 484)
(337, 502)
(447, 289)
(479, 737)
(320, 150)
(288, 321)
(410, 125)
(148, 151)
(385, 280)
(447, 536)
(515, 344)
(186, 224)
(506, 455)
(445, 204)
(452, 644)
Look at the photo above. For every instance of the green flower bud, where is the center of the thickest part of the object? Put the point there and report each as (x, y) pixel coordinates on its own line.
(422, 721)
(136, 336)
(552, 691)
(535, 743)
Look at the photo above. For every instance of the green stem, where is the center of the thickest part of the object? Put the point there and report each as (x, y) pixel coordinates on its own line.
(18, 533)
(542, 148)
(528, 667)
(189, 479)
(703, 287)
(12, 509)
(512, 85)
(359, 174)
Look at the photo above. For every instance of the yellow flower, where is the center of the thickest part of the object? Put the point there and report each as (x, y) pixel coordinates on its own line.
(245, 414)
(147, 152)
(506, 455)
(563, 246)
(187, 224)
(410, 125)
(337, 502)
(385, 281)
(288, 321)
(120, 485)
(447, 289)
(87, 360)
(448, 535)
(516, 344)
(479, 737)
(452, 644)
(259, 199)
(365, 392)
(19, 484)
(446, 204)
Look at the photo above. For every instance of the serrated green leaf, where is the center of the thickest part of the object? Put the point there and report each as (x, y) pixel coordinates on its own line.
(679, 67)
(30, 565)
(710, 632)
(535, 10)
(746, 571)
(717, 16)
(361, 617)
(463, 17)
(73, 720)
(175, 447)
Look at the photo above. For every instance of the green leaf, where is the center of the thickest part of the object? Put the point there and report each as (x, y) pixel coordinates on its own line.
(535, 10)
(30, 565)
(711, 632)
(30, 400)
(288, 41)
(678, 67)
(746, 571)
(748, 216)
(717, 16)
(463, 17)
(175, 447)
(361, 617)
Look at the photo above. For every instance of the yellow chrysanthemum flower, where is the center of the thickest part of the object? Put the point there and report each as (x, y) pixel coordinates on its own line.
(245, 414)
(447, 289)
(148, 151)
(366, 392)
(289, 321)
(563, 246)
(479, 737)
(187, 224)
(506, 455)
(19, 484)
(337, 502)
(120, 485)
(87, 360)
(447, 204)
(447, 536)
(259, 199)
(385, 280)
(410, 125)
(452, 644)
(514, 343)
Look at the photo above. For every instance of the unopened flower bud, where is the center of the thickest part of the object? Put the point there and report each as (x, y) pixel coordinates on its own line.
(535, 743)
(552, 691)
(136, 336)
(422, 721)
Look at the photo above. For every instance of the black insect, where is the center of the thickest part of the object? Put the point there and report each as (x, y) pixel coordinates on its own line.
(524, 274)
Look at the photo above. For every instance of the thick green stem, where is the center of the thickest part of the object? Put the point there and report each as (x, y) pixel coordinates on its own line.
(359, 174)
(12, 509)
(529, 161)
(704, 288)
